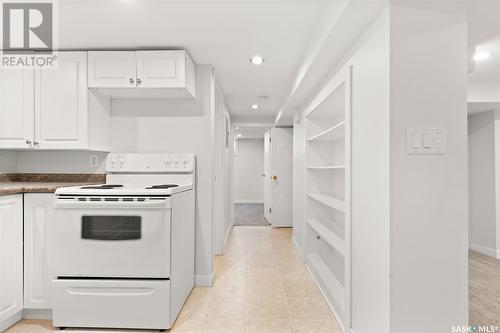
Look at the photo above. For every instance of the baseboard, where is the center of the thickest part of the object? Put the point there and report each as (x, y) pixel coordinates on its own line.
(204, 280)
(248, 201)
(37, 314)
(299, 249)
(487, 251)
(5, 324)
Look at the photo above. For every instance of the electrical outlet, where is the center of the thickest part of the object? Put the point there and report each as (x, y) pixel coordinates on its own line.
(94, 161)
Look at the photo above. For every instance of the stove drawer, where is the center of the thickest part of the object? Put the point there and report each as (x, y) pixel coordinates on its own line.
(140, 304)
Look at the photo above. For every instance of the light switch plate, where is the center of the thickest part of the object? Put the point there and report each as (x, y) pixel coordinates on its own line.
(426, 141)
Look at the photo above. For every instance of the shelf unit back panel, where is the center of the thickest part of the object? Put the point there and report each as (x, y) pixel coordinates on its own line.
(326, 153)
(330, 218)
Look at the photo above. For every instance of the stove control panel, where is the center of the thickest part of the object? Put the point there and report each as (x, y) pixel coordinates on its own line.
(150, 162)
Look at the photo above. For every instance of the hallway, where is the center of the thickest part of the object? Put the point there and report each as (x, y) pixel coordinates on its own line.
(261, 286)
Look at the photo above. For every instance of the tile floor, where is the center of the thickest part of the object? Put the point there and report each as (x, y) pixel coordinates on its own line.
(261, 286)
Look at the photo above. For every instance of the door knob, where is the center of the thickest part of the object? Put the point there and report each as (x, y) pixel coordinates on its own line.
(275, 177)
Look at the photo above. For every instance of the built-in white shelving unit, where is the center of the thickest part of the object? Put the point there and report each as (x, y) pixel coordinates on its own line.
(328, 222)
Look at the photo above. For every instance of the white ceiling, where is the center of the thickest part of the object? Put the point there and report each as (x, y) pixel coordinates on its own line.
(250, 132)
(223, 33)
(227, 33)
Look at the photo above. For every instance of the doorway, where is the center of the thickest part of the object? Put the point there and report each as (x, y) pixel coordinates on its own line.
(262, 178)
(249, 176)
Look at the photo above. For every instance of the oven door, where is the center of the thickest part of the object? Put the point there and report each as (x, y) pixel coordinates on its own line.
(110, 239)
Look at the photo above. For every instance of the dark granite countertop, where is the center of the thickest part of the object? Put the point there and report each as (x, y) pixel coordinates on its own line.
(15, 183)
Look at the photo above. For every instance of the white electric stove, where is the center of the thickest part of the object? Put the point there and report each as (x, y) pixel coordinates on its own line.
(122, 253)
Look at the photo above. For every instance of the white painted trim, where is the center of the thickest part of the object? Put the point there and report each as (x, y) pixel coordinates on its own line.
(487, 251)
(337, 317)
(228, 234)
(44, 314)
(298, 248)
(204, 280)
(252, 125)
(5, 324)
(238, 201)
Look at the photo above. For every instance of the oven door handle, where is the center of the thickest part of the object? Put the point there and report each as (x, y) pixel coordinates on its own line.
(110, 291)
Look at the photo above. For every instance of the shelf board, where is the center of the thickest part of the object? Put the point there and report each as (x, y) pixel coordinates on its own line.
(328, 236)
(326, 167)
(327, 279)
(334, 133)
(328, 200)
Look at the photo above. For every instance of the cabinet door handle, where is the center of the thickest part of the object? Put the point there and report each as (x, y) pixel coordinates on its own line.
(28, 142)
(139, 81)
(131, 80)
(36, 143)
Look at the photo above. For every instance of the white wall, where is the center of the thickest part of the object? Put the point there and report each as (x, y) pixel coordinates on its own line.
(222, 167)
(177, 126)
(370, 219)
(248, 171)
(8, 161)
(409, 213)
(59, 162)
(298, 183)
(428, 87)
(482, 206)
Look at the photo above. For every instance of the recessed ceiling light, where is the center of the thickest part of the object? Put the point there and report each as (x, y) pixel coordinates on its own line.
(257, 60)
(239, 135)
(236, 127)
(480, 56)
(255, 106)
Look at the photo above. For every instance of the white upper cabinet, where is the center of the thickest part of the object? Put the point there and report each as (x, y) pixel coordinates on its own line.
(150, 74)
(61, 97)
(113, 69)
(16, 108)
(11, 255)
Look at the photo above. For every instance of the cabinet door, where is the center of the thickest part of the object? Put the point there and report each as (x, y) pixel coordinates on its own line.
(61, 99)
(161, 69)
(37, 281)
(112, 69)
(11, 255)
(16, 108)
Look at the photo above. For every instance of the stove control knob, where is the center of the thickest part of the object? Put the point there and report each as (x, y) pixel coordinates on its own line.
(113, 161)
(185, 162)
(122, 159)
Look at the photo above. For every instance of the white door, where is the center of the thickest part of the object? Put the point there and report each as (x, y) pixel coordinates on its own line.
(61, 99)
(281, 154)
(37, 281)
(17, 114)
(112, 69)
(11, 255)
(267, 176)
(161, 69)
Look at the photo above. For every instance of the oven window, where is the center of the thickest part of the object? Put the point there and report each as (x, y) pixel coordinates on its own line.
(111, 227)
